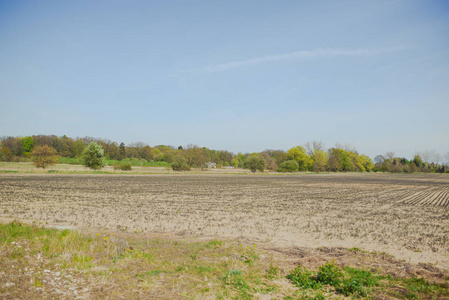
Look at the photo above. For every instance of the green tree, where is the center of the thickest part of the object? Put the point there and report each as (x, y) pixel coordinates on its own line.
(27, 145)
(418, 161)
(44, 156)
(113, 151)
(339, 160)
(76, 148)
(122, 150)
(241, 160)
(345, 160)
(61, 146)
(157, 154)
(235, 162)
(93, 156)
(254, 162)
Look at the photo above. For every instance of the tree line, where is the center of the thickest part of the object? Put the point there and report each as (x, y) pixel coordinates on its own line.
(312, 156)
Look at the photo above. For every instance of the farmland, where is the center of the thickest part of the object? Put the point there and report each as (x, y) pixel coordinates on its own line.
(405, 215)
(195, 235)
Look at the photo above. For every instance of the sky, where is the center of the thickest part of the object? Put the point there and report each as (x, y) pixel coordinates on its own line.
(242, 76)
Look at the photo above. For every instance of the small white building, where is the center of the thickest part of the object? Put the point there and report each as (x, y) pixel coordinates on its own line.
(211, 165)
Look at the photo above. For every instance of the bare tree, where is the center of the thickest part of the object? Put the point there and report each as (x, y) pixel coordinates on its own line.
(312, 147)
(379, 159)
(425, 156)
(434, 157)
(446, 158)
(390, 155)
(138, 145)
(346, 147)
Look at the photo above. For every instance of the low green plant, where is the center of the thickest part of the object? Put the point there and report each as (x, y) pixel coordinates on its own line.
(214, 243)
(347, 281)
(126, 166)
(329, 274)
(303, 278)
(154, 272)
(249, 254)
(234, 278)
(422, 286)
(273, 271)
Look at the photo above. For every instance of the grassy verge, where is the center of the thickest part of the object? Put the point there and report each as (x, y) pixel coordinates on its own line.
(42, 262)
(38, 262)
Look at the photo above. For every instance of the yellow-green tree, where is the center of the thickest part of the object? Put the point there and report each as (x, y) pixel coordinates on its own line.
(367, 162)
(299, 154)
(319, 158)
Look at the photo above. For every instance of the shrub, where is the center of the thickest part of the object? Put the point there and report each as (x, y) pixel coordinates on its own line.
(254, 163)
(329, 274)
(288, 166)
(180, 164)
(358, 282)
(123, 167)
(303, 278)
(93, 156)
(349, 281)
(44, 156)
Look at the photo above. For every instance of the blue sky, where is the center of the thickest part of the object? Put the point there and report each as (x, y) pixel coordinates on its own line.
(236, 75)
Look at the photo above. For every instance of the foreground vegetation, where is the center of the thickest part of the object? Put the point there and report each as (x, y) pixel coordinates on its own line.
(95, 153)
(44, 262)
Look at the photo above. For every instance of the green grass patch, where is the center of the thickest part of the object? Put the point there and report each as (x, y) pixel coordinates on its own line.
(358, 283)
(419, 288)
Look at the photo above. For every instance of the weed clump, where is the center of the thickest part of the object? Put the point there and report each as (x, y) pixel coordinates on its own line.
(347, 281)
(123, 166)
(329, 274)
(303, 278)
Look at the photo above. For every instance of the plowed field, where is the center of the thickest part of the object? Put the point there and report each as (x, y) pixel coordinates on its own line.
(404, 215)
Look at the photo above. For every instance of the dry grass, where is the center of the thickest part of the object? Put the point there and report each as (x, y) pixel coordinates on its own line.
(43, 263)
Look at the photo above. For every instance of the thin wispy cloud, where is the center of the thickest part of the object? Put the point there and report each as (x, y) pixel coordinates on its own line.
(305, 54)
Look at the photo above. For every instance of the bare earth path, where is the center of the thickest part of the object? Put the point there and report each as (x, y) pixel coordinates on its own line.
(404, 215)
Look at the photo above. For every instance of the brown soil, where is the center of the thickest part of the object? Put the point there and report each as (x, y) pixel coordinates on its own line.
(406, 216)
